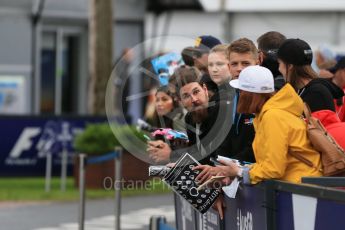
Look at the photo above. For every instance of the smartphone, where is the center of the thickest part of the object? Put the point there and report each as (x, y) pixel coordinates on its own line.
(239, 163)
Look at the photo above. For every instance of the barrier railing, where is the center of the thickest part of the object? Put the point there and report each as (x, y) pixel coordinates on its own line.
(83, 162)
(273, 205)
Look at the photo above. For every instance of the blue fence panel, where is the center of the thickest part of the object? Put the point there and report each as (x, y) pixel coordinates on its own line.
(330, 215)
(296, 211)
(247, 210)
(26, 140)
(284, 211)
(273, 205)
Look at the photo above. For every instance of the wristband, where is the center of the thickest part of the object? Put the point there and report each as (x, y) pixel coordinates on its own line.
(240, 172)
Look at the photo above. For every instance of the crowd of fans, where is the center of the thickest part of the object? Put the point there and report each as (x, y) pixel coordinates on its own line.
(245, 102)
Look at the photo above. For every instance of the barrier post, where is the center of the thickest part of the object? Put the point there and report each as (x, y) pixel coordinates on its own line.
(64, 162)
(82, 158)
(118, 187)
(48, 172)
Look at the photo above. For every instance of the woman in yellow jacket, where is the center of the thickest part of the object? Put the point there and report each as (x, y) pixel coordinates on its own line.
(279, 129)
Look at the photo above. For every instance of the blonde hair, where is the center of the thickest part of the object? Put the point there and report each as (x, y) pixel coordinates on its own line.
(221, 48)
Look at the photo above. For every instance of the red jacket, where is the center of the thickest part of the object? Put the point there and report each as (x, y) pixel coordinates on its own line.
(332, 123)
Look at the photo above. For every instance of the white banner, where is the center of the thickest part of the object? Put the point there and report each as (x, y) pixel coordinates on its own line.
(12, 94)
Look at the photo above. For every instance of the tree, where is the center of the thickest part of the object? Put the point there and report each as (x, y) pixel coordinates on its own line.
(100, 53)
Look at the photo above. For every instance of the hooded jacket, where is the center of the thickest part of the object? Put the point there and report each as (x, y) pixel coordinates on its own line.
(333, 125)
(279, 128)
(320, 93)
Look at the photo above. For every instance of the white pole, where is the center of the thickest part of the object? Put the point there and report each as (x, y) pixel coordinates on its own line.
(48, 172)
(64, 137)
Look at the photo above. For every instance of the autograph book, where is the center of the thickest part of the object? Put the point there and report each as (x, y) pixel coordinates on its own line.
(181, 178)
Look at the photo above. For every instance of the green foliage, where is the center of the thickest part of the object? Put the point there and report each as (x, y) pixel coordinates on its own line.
(96, 139)
(129, 133)
(99, 139)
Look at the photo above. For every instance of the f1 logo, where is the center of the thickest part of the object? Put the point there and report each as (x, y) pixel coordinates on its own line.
(24, 142)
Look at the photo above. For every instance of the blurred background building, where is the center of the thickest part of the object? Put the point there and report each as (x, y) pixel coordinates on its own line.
(57, 82)
(45, 50)
(317, 22)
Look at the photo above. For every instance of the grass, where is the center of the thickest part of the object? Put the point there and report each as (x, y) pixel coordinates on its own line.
(32, 189)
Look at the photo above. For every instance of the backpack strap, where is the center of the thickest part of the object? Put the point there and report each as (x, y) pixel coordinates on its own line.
(297, 155)
(301, 158)
(306, 111)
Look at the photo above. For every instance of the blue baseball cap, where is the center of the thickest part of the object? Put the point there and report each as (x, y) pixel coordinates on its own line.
(205, 42)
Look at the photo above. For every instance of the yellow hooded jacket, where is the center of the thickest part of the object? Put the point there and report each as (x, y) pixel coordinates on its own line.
(279, 127)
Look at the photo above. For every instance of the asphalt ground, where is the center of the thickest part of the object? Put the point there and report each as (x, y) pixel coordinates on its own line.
(99, 214)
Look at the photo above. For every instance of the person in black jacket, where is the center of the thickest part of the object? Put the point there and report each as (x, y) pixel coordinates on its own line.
(206, 121)
(295, 58)
(242, 53)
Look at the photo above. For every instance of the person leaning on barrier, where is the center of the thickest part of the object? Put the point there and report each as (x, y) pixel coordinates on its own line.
(279, 129)
(204, 121)
(168, 112)
(242, 53)
(193, 96)
(295, 57)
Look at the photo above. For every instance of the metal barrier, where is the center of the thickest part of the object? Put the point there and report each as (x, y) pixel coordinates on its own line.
(83, 162)
(159, 223)
(273, 205)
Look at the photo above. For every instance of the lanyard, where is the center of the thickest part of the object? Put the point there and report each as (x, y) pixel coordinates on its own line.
(234, 109)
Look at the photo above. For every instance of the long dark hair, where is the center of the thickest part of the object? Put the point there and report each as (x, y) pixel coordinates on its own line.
(166, 90)
(166, 121)
(297, 74)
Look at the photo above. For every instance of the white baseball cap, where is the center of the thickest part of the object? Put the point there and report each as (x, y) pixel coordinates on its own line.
(255, 79)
